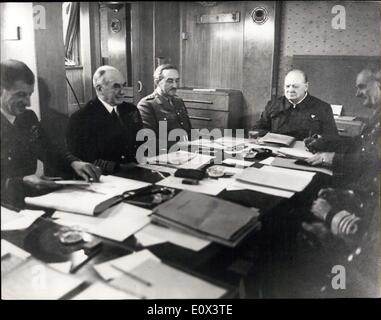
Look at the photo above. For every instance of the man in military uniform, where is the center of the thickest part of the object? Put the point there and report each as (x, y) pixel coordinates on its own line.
(163, 105)
(104, 131)
(360, 167)
(297, 113)
(23, 141)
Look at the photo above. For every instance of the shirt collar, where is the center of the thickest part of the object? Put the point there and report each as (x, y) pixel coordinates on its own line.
(108, 106)
(9, 117)
(295, 104)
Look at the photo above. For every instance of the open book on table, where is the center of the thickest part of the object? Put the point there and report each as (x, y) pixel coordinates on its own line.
(88, 200)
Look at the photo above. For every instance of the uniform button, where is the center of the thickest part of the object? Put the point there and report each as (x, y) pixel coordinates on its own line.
(362, 149)
(181, 123)
(372, 194)
(9, 158)
(122, 157)
(362, 136)
(178, 113)
(372, 142)
(165, 119)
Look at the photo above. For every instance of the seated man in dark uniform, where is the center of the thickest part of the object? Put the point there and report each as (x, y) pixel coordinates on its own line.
(163, 105)
(297, 113)
(356, 228)
(23, 141)
(104, 131)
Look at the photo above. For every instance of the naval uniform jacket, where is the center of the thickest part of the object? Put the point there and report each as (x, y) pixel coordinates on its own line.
(155, 108)
(22, 143)
(95, 136)
(311, 116)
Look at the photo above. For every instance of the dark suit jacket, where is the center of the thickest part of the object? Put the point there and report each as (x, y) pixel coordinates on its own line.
(22, 143)
(311, 116)
(94, 136)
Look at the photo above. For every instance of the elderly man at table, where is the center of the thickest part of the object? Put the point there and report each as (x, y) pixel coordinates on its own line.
(297, 113)
(104, 131)
(23, 141)
(361, 168)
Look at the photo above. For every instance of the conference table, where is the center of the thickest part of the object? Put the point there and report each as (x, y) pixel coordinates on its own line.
(249, 270)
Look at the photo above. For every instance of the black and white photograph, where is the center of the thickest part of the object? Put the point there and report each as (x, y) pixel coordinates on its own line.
(195, 153)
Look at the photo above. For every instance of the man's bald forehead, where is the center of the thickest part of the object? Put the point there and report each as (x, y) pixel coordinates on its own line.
(297, 73)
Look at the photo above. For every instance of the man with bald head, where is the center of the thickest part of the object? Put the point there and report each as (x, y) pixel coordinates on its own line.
(297, 113)
(104, 131)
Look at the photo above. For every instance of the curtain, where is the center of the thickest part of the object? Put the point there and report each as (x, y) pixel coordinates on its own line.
(70, 15)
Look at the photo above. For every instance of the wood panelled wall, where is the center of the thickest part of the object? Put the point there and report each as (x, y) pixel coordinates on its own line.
(212, 54)
(230, 55)
(51, 73)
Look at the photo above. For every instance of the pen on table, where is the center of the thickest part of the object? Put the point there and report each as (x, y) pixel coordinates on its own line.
(132, 276)
(159, 173)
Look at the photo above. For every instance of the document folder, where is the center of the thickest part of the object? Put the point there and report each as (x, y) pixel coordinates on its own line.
(208, 217)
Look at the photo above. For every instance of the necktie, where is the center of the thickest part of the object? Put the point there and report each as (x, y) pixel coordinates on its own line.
(114, 115)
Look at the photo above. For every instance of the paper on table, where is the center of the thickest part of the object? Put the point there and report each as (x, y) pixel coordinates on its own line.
(181, 159)
(157, 168)
(21, 282)
(206, 143)
(345, 118)
(7, 247)
(279, 178)
(107, 271)
(102, 291)
(238, 185)
(230, 141)
(290, 163)
(204, 90)
(336, 109)
(267, 161)
(12, 220)
(86, 199)
(167, 283)
(197, 162)
(237, 162)
(307, 175)
(296, 153)
(61, 266)
(116, 223)
(207, 186)
(153, 234)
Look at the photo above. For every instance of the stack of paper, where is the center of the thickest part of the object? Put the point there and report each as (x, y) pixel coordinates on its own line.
(279, 139)
(90, 200)
(279, 178)
(207, 217)
(116, 223)
(181, 159)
